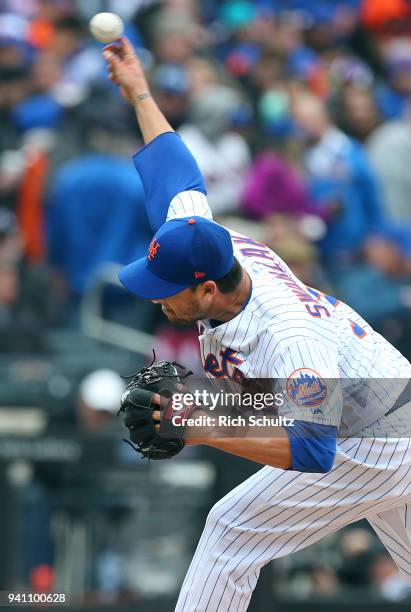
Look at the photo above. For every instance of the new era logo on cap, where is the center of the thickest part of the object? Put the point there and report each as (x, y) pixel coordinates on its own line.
(199, 274)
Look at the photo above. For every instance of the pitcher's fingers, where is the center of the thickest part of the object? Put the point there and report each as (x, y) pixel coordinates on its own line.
(156, 415)
(114, 47)
(112, 59)
(126, 47)
(156, 399)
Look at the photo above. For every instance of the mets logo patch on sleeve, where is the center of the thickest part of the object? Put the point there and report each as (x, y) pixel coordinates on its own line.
(306, 388)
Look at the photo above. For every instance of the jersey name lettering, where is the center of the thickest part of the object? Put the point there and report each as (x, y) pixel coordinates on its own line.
(260, 250)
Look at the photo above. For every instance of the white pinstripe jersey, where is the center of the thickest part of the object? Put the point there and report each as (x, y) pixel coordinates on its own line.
(288, 331)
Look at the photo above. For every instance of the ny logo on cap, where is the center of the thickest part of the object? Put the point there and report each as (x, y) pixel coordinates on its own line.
(152, 249)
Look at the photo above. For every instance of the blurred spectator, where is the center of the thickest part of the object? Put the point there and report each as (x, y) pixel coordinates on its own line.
(380, 15)
(175, 35)
(172, 86)
(393, 95)
(355, 112)
(302, 257)
(389, 148)
(389, 251)
(345, 69)
(356, 546)
(202, 75)
(240, 47)
(221, 152)
(27, 304)
(14, 84)
(14, 47)
(97, 216)
(267, 84)
(341, 179)
(386, 272)
(324, 582)
(81, 64)
(43, 107)
(274, 185)
(125, 8)
(388, 580)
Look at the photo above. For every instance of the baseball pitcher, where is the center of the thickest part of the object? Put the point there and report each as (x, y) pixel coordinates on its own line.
(343, 459)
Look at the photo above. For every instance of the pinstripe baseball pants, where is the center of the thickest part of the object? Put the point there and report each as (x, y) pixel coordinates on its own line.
(277, 512)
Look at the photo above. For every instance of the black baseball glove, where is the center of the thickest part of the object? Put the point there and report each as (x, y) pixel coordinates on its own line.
(137, 406)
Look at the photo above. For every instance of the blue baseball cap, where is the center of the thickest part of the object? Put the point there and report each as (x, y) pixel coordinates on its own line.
(183, 252)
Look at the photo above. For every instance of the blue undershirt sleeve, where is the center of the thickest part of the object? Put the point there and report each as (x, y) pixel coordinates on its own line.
(313, 446)
(166, 167)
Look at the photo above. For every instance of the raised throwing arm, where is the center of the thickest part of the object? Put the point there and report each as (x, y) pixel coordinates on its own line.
(126, 71)
(172, 181)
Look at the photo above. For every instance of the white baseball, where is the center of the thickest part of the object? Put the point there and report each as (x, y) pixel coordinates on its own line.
(106, 27)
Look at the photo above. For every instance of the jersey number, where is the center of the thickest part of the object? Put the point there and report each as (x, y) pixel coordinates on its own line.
(317, 310)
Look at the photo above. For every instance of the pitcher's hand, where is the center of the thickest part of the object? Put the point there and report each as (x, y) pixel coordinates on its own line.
(124, 69)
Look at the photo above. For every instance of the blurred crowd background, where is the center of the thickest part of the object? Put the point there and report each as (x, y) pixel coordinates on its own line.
(299, 115)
